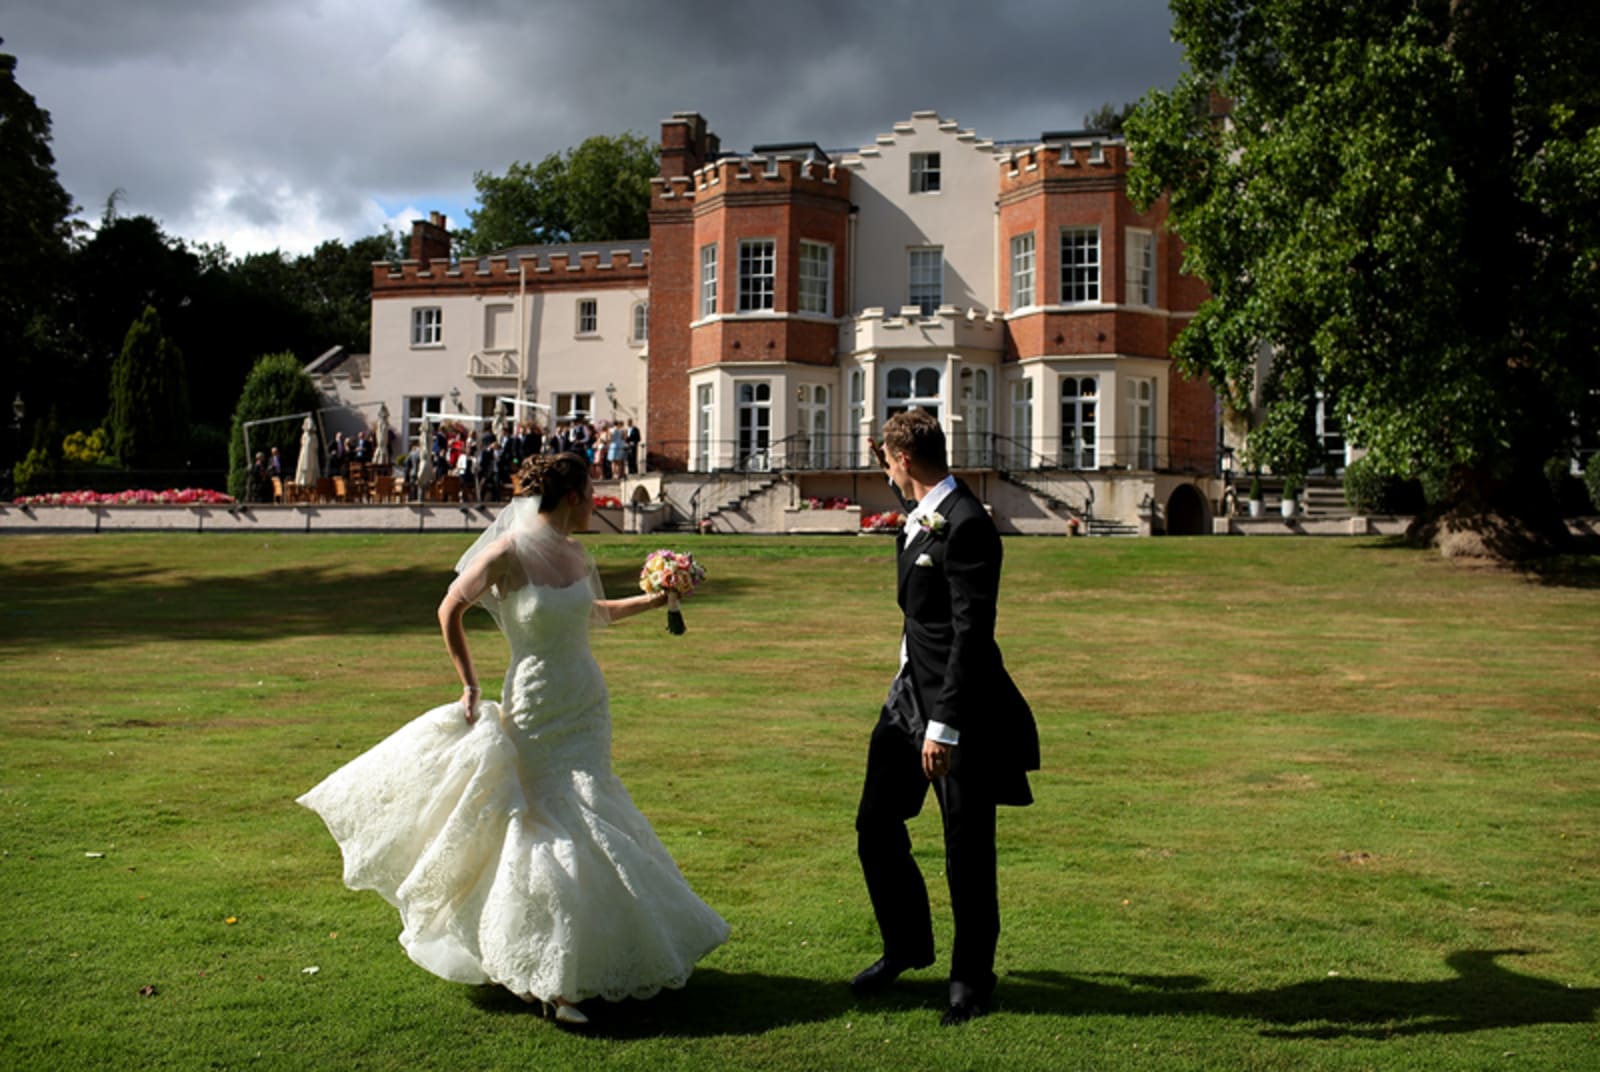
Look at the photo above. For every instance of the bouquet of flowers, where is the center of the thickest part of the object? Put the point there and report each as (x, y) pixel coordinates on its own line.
(675, 573)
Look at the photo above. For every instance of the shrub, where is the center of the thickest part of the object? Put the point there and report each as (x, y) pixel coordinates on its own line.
(1255, 488)
(276, 387)
(1591, 480)
(1369, 490)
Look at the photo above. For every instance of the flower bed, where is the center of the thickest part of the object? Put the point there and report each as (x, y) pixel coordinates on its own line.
(142, 497)
(889, 521)
(838, 502)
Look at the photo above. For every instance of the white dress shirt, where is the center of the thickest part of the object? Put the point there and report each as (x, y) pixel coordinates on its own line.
(927, 507)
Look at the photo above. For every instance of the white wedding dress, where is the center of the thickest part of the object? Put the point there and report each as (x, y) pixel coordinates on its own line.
(513, 853)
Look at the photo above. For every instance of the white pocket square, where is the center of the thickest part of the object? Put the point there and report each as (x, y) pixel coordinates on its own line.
(924, 559)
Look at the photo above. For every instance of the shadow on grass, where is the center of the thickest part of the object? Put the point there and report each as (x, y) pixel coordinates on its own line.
(1482, 995)
(51, 605)
(715, 1003)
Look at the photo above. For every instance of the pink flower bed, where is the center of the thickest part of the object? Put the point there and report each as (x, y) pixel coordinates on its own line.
(839, 502)
(170, 497)
(886, 522)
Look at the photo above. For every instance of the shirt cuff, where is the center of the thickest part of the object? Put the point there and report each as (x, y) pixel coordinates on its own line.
(938, 731)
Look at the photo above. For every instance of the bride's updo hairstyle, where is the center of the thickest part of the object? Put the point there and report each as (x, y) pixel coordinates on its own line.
(551, 477)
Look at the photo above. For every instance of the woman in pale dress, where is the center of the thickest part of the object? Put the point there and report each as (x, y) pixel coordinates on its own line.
(513, 853)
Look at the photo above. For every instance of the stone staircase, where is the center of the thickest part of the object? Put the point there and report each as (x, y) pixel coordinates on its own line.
(721, 505)
(1324, 497)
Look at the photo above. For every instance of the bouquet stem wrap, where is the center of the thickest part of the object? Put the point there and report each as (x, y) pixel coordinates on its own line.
(677, 574)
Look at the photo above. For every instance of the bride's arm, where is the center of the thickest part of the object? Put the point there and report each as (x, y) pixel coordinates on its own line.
(615, 610)
(463, 592)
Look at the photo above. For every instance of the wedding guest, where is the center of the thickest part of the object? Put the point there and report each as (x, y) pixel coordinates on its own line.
(274, 463)
(616, 451)
(633, 437)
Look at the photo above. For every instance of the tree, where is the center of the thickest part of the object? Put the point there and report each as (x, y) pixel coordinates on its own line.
(598, 191)
(1399, 210)
(149, 419)
(276, 387)
(1109, 118)
(35, 222)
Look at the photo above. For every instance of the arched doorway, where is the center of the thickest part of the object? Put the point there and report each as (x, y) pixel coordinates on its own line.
(1188, 513)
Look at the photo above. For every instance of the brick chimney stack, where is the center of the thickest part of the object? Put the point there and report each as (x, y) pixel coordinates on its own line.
(430, 241)
(686, 144)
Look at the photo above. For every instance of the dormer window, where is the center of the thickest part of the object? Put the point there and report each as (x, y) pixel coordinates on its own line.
(925, 173)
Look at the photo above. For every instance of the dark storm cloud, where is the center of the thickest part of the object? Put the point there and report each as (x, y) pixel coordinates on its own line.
(265, 122)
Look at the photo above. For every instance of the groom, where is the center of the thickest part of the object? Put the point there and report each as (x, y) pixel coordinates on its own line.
(953, 720)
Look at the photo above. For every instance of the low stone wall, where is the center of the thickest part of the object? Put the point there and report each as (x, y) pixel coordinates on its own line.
(838, 522)
(1267, 525)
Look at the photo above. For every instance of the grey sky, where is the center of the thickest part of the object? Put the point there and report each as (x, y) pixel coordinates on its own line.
(275, 123)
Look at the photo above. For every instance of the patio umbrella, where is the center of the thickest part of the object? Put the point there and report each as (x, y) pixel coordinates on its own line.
(380, 452)
(307, 470)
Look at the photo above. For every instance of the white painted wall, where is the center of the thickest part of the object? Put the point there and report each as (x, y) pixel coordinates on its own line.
(960, 217)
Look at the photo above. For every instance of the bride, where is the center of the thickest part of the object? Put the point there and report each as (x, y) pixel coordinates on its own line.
(513, 853)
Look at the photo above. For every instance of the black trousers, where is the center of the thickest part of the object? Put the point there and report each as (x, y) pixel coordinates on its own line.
(894, 792)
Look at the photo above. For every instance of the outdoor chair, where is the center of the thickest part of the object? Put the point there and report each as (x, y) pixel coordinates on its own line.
(324, 490)
(341, 489)
(277, 490)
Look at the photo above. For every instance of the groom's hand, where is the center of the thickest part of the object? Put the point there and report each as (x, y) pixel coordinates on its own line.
(936, 759)
(877, 453)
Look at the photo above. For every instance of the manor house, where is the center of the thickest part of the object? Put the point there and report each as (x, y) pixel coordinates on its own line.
(790, 298)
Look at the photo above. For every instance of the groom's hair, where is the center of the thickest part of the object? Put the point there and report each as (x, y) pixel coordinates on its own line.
(916, 432)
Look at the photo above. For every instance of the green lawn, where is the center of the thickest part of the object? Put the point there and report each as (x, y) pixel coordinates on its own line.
(1306, 804)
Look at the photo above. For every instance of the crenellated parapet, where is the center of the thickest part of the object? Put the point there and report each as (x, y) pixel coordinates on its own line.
(1084, 160)
(767, 173)
(877, 328)
(535, 265)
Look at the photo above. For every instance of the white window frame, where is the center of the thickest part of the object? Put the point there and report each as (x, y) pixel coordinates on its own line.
(1080, 435)
(1022, 424)
(753, 438)
(1141, 269)
(1140, 434)
(705, 428)
(708, 280)
(815, 409)
(758, 275)
(977, 407)
(1080, 279)
(816, 278)
(418, 407)
(858, 414)
(916, 398)
(919, 281)
(587, 315)
(926, 173)
(1023, 261)
(427, 326)
(567, 406)
(639, 323)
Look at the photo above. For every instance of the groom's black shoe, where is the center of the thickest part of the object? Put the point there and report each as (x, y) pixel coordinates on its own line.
(880, 976)
(966, 1003)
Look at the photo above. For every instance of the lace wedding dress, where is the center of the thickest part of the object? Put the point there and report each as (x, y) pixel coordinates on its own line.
(513, 853)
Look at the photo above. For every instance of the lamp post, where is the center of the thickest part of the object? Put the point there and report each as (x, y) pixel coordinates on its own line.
(611, 396)
(455, 398)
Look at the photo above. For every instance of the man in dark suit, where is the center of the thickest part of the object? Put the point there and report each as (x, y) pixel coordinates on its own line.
(953, 720)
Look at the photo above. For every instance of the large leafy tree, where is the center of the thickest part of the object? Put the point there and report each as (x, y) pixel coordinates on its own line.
(1398, 214)
(597, 191)
(35, 224)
